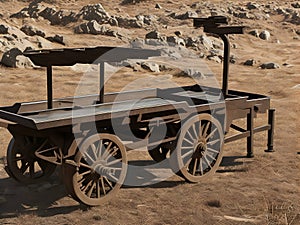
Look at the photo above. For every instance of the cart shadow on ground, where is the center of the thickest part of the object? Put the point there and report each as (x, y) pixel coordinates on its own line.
(49, 198)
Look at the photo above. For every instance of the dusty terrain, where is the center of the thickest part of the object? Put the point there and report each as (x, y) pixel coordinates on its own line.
(261, 190)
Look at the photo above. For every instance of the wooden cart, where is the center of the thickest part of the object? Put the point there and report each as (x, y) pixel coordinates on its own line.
(78, 133)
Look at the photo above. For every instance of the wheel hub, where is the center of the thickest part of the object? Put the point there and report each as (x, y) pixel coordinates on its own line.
(200, 149)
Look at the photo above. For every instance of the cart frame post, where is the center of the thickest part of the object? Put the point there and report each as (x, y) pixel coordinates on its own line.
(271, 122)
(49, 87)
(101, 81)
(250, 129)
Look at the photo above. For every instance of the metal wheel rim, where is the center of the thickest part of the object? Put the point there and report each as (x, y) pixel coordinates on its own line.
(198, 155)
(91, 181)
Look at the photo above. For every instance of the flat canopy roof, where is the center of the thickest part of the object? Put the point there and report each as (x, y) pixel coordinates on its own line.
(90, 55)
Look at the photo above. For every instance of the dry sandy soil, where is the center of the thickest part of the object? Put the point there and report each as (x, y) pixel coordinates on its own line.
(261, 190)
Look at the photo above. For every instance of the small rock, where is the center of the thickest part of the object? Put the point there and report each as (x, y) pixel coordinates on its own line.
(232, 59)
(270, 65)
(113, 21)
(296, 5)
(206, 41)
(137, 43)
(174, 40)
(250, 62)
(193, 73)
(215, 58)
(3, 29)
(57, 38)
(297, 86)
(158, 6)
(153, 67)
(156, 42)
(31, 31)
(23, 62)
(9, 58)
(265, 35)
(251, 6)
(153, 35)
(254, 33)
(178, 33)
(187, 15)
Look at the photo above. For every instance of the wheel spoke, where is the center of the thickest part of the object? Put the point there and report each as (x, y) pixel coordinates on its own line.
(106, 151)
(87, 186)
(206, 129)
(91, 189)
(195, 132)
(98, 189)
(103, 185)
(16, 159)
(108, 182)
(24, 167)
(201, 166)
(89, 157)
(187, 140)
(211, 134)
(94, 150)
(113, 162)
(188, 132)
(210, 156)
(200, 129)
(113, 177)
(213, 150)
(213, 142)
(111, 154)
(85, 165)
(206, 160)
(187, 154)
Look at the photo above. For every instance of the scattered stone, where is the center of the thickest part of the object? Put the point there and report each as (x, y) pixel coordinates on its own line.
(113, 21)
(57, 38)
(215, 58)
(192, 73)
(156, 42)
(31, 31)
(3, 29)
(185, 16)
(158, 6)
(254, 33)
(94, 12)
(174, 40)
(270, 65)
(206, 42)
(9, 58)
(232, 59)
(296, 5)
(298, 32)
(251, 5)
(250, 62)
(265, 35)
(297, 86)
(93, 27)
(23, 62)
(178, 33)
(153, 67)
(129, 22)
(153, 35)
(137, 43)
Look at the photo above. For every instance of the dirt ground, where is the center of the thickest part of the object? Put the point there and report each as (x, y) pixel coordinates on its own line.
(260, 190)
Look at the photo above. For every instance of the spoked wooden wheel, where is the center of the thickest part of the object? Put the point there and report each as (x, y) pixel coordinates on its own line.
(100, 171)
(199, 148)
(22, 163)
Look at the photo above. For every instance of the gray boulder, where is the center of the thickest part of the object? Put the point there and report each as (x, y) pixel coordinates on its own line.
(265, 35)
(129, 22)
(31, 31)
(187, 15)
(9, 58)
(206, 42)
(270, 65)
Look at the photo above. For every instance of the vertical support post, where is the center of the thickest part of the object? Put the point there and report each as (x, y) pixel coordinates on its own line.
(271, 122)
(49, 87)
(102, 73)
(226, 57)
(250, 128)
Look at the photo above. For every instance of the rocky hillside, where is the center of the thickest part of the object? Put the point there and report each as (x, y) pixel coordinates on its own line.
(40, 25)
